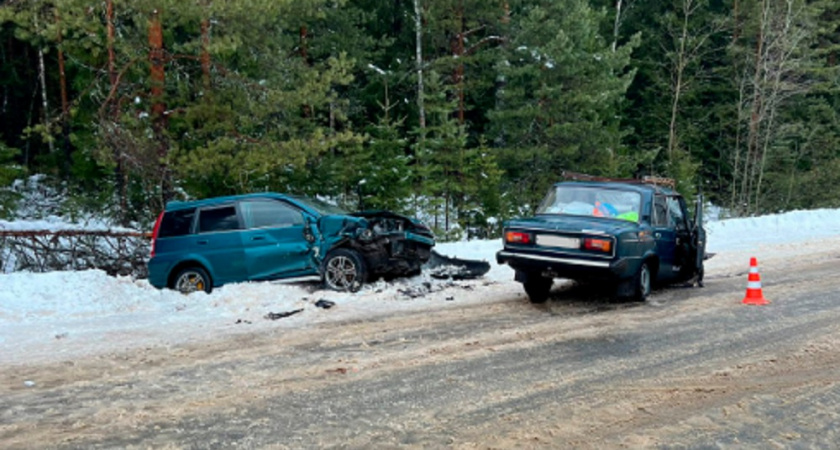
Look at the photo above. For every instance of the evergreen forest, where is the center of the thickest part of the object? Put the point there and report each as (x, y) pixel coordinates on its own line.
(461, 112)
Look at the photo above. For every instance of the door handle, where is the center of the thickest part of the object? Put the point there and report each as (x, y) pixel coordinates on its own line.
(257, 238)
(201, 242)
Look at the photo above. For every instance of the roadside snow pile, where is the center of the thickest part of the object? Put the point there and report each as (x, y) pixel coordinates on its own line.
(794, 226)
(61, 315)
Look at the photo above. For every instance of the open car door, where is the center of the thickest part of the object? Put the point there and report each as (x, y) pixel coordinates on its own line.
(698, 240)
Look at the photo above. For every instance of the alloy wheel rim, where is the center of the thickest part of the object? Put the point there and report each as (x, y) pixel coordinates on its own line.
(341, 273)
(190, 282)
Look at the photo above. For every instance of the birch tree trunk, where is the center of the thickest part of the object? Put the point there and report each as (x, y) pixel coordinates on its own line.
(42, 77)
(418, 59)
(616, 24)
(679, 69)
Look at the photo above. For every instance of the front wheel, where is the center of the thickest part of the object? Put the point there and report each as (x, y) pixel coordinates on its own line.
(642, 283)
(344, 270)
(537, 287)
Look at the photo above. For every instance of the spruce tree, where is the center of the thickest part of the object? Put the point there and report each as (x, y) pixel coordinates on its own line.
(563, 88)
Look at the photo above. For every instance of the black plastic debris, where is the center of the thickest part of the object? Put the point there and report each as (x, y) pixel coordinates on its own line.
(280, 315)
(417, 291)
(443, 267)
(326, 304)
(238, 321)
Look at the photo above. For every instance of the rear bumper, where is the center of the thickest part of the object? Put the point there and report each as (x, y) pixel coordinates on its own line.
(158, 273)
(570, 267)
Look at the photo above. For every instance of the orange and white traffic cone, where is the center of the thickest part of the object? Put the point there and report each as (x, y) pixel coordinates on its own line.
(754, 295)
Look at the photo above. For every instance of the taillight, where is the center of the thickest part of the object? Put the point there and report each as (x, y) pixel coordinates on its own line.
(517, 237)
(155, 233)
(601, 245)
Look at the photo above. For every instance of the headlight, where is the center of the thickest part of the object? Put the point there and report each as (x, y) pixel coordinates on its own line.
(366, 234)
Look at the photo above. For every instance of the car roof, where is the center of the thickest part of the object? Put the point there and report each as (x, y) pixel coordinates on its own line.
(175, 205)
(640, 186)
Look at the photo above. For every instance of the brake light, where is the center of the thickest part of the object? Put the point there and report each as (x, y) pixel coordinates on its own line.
(517, 237)
(601, 245)
(155, 233)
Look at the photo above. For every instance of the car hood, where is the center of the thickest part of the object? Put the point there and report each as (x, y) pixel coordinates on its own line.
(576, 224)
(411, 223)
(336, 224)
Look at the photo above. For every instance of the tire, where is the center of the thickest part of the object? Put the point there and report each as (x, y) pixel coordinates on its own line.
(344, 270)
(192, 279)
(537, 287)
(700, 274)
(415, 271)
(642, 282)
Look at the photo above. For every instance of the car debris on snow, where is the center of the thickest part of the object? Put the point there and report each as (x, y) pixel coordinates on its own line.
(445, 267)
(325, 304)
(280, 315)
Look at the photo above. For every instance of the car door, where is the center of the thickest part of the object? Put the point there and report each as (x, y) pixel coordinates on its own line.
(665, 237)
(678, 217)
(219, 242)
(278, 241)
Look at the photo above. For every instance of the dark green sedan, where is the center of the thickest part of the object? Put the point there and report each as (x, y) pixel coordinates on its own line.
(630, 234)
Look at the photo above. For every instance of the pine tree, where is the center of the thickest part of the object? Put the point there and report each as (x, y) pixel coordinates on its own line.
(563, 87)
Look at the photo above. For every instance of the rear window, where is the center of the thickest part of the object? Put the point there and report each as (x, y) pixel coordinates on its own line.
(176, 223)
(218, 219)
(592, 201)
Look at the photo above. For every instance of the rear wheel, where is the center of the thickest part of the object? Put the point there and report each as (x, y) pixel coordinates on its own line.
(537, 287)
(192, 279)
(344, 270)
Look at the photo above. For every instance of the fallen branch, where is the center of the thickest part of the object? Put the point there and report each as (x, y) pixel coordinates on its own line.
(115, 252)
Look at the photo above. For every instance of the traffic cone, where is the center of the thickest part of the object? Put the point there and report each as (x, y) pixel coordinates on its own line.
(754, 295)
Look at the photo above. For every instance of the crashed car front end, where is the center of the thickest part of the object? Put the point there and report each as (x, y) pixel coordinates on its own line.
(391, 244)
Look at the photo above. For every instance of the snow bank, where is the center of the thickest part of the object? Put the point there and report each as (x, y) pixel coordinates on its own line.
(790, 227)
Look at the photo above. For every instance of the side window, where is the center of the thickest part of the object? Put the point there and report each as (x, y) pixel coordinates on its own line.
(176, 223)
(273, 214)
(218, 219)
(675, 213)
(660, 212)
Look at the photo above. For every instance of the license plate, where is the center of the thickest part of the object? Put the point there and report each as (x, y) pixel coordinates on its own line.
(557, 241)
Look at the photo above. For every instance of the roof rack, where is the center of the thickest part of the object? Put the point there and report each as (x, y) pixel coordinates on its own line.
(656, 181)
(660, 181)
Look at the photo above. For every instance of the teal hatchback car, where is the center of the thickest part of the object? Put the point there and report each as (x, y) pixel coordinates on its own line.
(204, 244)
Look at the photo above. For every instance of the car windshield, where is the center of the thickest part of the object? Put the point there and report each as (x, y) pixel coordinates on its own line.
(319, 205)
(592, 201)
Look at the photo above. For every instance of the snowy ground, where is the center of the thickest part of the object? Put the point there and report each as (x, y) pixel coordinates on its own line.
(61, 315)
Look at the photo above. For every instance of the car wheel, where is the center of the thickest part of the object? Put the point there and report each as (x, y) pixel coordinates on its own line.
(344, 270)
(642, 282)
(700, 276)
(192, 279)
(537, 287)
